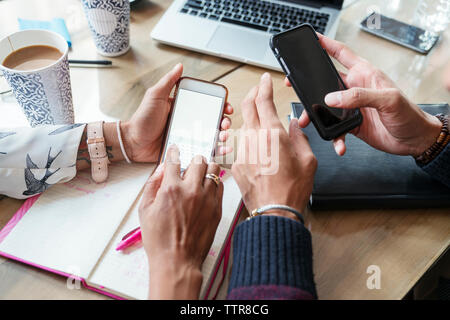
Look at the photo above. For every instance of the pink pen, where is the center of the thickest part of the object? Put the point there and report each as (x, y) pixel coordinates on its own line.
(130, 238)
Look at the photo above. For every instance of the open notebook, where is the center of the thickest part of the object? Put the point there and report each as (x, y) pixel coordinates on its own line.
(73, 229)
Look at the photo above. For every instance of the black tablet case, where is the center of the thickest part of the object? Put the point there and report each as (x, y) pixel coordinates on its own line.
(367, 178)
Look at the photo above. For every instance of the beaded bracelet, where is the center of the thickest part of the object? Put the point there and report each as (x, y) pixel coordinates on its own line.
(439, 145)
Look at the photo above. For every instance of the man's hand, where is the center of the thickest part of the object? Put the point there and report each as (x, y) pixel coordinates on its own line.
(143, 134)
(179, 217)
(391, 123)
(292, 164)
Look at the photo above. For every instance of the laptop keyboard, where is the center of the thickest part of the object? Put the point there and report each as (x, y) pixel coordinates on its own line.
(257, 14)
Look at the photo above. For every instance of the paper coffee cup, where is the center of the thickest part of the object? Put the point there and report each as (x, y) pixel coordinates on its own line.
(109, 21)
(44, 94)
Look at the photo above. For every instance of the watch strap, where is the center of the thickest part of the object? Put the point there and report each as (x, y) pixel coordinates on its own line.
(97, 151)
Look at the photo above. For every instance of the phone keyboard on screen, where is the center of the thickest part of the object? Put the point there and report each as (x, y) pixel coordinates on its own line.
(189, 151)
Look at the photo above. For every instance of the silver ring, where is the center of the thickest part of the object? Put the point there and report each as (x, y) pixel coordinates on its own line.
(213, 177)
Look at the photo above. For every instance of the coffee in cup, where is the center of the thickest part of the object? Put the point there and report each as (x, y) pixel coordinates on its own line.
(36, 67)
(32, 58)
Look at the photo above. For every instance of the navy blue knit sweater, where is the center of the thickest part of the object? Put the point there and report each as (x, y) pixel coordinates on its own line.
(439, 168)
(272, 256)
(272, 259)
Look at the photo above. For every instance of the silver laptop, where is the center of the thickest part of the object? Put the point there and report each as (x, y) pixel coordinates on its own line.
(240, 29)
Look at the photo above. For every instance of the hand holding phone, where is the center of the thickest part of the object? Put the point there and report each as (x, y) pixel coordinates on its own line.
(313, 75)
(194, 121)
(391, 123)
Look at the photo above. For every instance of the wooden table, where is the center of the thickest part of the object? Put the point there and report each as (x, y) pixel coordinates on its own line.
(403, 243)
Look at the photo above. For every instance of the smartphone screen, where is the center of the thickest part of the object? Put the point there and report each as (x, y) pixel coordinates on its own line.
(313, 76)
(396, 31)
(194, 124)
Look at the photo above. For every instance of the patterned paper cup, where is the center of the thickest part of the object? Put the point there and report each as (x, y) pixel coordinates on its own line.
(109, 21)
(45, 94)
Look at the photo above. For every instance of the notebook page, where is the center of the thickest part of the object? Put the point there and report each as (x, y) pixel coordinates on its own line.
(69, 226)
(123, 273)
(126, 273)
(230, 206)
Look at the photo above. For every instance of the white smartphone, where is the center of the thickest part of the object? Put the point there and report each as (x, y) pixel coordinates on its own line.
(194, 121)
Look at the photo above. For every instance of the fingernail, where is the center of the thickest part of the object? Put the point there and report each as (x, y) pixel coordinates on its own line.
(265, 75)
(222, 173)
(199, 159)
(159, 169)
(173, 153)
(333, 99)
(177, 66)
(339, 147)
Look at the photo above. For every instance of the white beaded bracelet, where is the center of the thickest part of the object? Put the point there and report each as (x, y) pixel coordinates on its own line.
(121, 142)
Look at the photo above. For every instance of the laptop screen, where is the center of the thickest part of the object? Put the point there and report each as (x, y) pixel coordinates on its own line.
(318, 3)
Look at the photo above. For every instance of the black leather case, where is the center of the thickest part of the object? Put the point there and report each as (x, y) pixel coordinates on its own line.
(367, 178)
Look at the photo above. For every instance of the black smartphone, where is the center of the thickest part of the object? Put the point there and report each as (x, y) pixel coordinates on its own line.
(399, 32)
(313, 75)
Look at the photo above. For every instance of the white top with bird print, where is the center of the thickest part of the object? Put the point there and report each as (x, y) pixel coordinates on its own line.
(33, 159)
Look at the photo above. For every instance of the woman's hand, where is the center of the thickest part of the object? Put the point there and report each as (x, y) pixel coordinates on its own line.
(391, 123)
(179, 217)
(143, 133)
(285, 176)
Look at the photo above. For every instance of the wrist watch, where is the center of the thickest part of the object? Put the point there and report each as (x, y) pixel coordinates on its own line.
(97, 151)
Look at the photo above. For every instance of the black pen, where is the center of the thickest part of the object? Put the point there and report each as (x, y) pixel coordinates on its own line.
(91, 62)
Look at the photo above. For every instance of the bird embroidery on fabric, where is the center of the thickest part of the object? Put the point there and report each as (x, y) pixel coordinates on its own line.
(35, 186)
